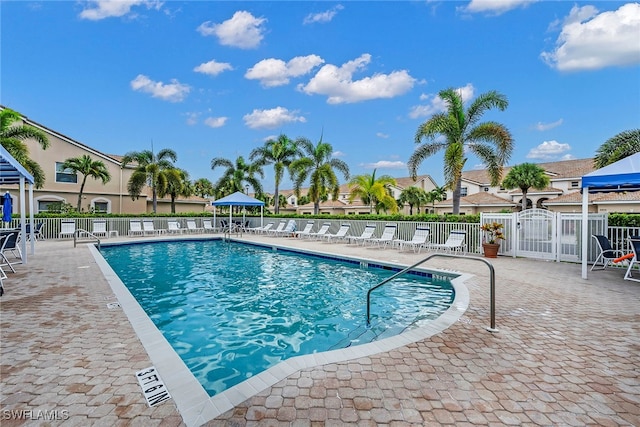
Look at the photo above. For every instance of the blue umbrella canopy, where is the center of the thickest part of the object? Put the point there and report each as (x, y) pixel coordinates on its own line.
(7, 208)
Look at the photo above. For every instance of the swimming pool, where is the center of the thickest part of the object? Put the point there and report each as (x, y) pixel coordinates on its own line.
(227, 330)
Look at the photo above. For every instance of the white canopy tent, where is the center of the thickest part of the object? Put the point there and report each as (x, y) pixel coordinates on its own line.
(623, 175)
(238, 199)
(13, 173)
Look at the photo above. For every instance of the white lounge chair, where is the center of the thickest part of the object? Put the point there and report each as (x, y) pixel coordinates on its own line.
(341, 234)
(135, 228)
(99, 228)
(279, 228)
(289, 229)
(207, 226)
(455, 242)
(67, 229)
(260, 230)
(321, 231)
(148, 228)
(173, 226)
(418, 241)
(367, 233)
(192, 227)
(306, 230)
(388, 234)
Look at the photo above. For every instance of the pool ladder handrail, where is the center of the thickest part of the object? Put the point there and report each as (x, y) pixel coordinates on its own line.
(76, 234)
(492, 272)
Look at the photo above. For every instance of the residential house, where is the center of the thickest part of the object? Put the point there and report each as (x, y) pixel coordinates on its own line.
(562, 195)
(63, 186)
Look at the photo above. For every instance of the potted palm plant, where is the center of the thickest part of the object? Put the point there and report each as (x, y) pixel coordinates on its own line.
(491, 240)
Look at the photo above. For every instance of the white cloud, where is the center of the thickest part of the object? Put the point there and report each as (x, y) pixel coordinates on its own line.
(273, 118)
(173, 92)
(338, 154)
(322, 17)
(338, 84)
(590, 41)
(549, 150)
(275, 72)
(192, 118)
(243, 30)
(96, 10)
(547, 126)
(385, 164)
(215, 122)
(213, 68)
(437, 104)
(382, 135)
(495, 7)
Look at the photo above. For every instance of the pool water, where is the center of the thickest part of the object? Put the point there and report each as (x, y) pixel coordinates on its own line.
(232, 310)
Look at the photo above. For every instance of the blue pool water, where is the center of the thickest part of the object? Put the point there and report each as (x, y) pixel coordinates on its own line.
(232, 310)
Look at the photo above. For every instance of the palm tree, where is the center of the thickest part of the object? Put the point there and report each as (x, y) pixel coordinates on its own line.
(373, 191)
(412, 196)
(236, 175)
(489, 141)
(438, 194)
(280, 152)
(525, 176)
(88, 167)
(147, 171)
(618, 147)
(203, 188)
(320, 168)
(177, 184)
(12, 138)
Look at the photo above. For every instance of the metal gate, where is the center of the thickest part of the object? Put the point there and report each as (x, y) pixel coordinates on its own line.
(539, 233)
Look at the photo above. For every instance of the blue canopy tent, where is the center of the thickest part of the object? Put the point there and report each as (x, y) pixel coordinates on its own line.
(623, 175)
(238, 199)
(13, 173)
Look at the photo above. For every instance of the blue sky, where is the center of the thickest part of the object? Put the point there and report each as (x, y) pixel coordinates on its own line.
(217, 79)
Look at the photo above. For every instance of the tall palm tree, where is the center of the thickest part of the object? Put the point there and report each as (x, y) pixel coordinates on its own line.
(525, 176)
(88, 167)
(413, 196)
(618, 147)
(203, 188)
(373, 191)
(177, 184)
(491, 142)
(236, 175)
(147, 171)
(13, 137)
(280, 152)
(318, 166)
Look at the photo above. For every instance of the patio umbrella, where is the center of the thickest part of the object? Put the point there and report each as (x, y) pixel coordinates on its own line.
(7, 208)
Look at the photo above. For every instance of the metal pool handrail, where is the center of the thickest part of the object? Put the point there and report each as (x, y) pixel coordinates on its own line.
(492, 272)
(76, 234)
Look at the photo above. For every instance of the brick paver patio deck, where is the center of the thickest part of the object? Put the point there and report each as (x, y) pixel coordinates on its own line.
(567, 353)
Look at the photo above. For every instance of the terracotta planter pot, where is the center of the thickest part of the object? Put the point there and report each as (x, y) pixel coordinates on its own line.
(491, 250)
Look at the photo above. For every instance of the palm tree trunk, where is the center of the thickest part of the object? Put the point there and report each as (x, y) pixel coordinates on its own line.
(524, 200)
(456, 197)
(276, 202)
(155, 199)
(84, 180)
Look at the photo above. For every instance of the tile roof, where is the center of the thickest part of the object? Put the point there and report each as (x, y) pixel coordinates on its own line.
(479, 199)
(612, 197)
(565, 169)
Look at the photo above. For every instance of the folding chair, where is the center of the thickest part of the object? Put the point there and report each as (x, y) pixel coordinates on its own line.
(607, 253)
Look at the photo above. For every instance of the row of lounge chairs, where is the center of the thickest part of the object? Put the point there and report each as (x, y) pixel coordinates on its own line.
(456, 242)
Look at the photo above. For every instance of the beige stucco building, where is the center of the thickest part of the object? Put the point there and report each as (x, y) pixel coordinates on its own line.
(63, 186)
(562, 195)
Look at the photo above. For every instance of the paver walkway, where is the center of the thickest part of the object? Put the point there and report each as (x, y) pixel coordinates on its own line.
(567, 353)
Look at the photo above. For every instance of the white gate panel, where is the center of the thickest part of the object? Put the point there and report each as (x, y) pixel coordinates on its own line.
(536, 237)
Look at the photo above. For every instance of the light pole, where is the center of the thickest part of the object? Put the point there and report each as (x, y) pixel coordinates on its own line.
(247, 188)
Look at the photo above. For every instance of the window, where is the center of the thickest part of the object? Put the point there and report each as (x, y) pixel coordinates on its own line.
(65, 175)
(463, 192)
(575, 184)
(486, 188)
(101, 207)
(49, 206)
